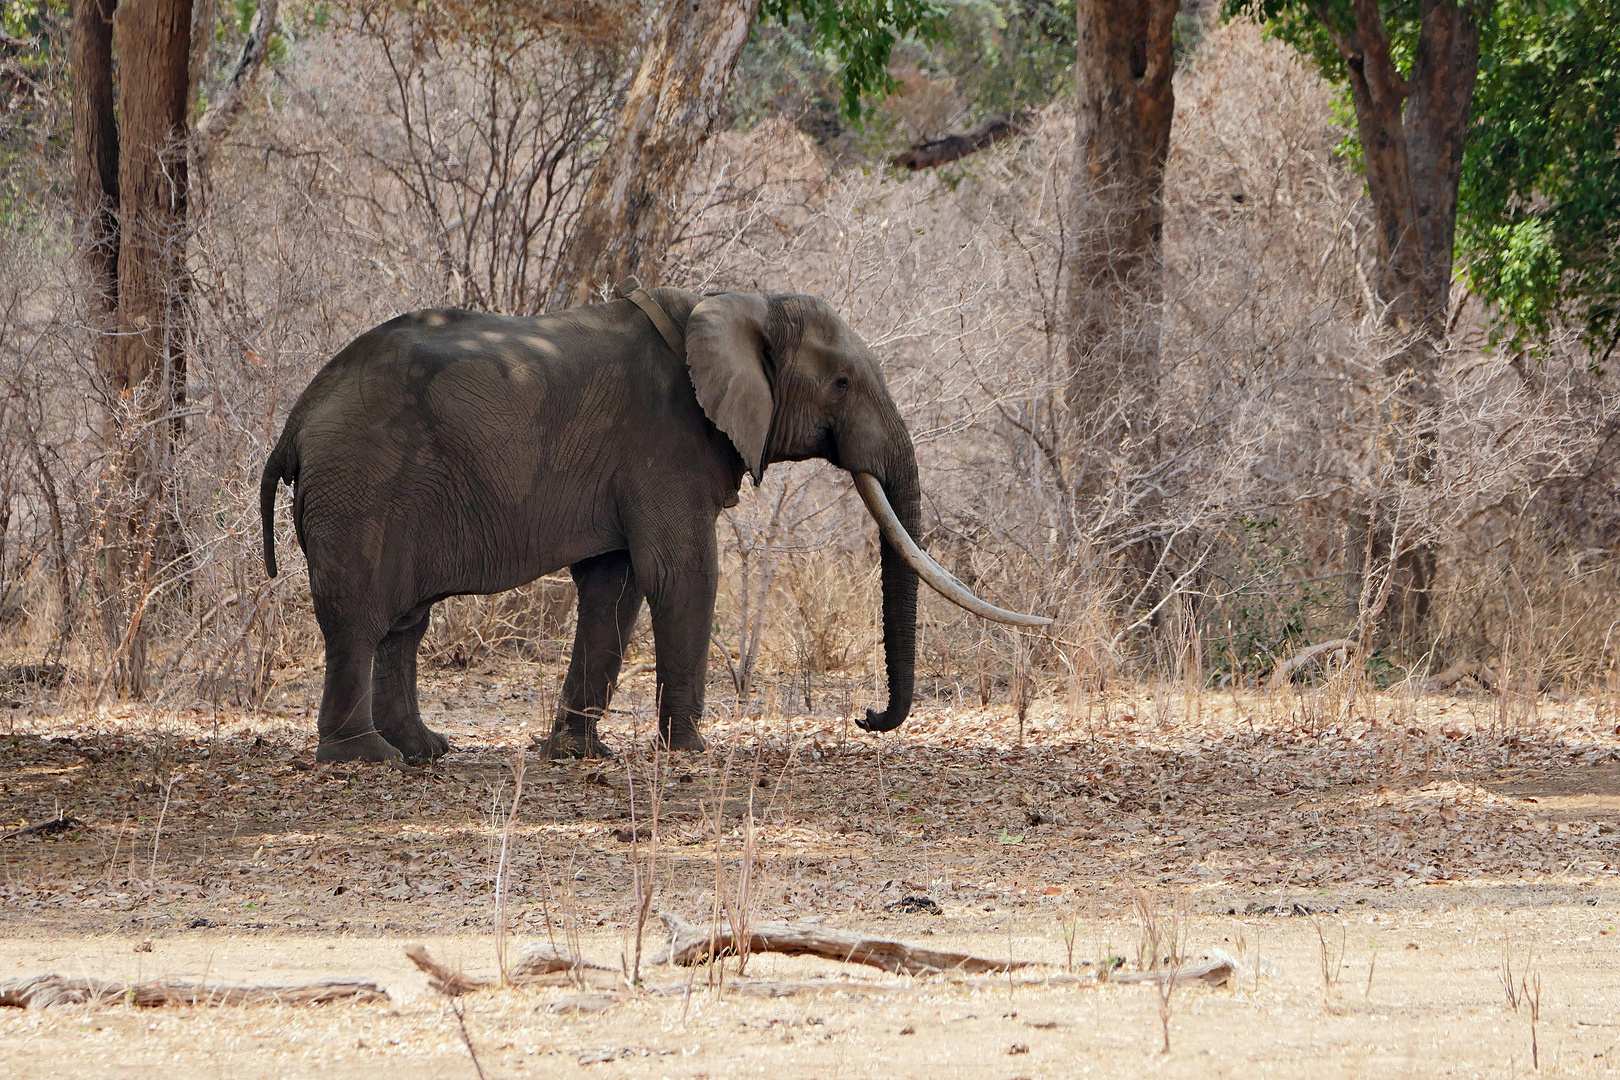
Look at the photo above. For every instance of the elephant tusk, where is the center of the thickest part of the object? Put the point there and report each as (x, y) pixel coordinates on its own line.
(939, 579)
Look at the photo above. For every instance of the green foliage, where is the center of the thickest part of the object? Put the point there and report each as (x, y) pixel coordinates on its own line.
(1540, 214)
(861, 34)
(783, 69)
(1538, 223)
(990, 56)
(35, 110)
(1007, 54)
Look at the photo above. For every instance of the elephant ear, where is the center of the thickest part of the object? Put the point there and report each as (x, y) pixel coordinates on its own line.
(725, 352)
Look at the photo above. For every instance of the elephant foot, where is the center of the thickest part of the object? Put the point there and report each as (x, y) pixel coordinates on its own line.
(421, 745)
(565, 743)
(681, 738)
(367, 746)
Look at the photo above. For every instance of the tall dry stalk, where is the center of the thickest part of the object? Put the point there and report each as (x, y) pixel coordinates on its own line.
(1332, 960)
(1530, 989)
(1160, 948)
(518, 766)
(644, 874)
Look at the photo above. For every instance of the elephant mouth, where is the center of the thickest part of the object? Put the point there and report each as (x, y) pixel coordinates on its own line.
(938, 578)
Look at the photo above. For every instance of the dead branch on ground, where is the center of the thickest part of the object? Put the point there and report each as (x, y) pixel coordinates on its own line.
(692, 945)
(936, 152)
(1214, 969)
(536, 962)
(1286, 670)
(43, 991)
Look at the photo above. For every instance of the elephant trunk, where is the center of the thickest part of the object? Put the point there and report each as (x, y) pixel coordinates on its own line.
(899, 597)
(896, 506)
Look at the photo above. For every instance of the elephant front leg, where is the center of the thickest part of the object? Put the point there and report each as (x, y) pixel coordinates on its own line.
(682, 613)
(394, 707)
(609, 601)
(346, 729)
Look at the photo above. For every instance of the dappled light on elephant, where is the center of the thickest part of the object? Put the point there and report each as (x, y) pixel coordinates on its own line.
(451, 452)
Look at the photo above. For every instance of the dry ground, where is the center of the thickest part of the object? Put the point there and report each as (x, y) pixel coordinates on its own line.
(1374, 863)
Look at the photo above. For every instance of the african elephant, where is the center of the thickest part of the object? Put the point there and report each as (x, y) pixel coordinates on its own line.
(450, 452)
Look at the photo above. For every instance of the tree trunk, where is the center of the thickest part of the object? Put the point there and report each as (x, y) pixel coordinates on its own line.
(628, 217)
(154, 40)
(143, 371)
(1124, 103)
(95, 160)
(1412, 136)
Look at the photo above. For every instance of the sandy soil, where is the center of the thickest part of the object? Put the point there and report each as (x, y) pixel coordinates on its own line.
(1374, 865)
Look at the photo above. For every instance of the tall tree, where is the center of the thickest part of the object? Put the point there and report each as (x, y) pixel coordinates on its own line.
(1539, 215)
(628, 218)
(131, 143)
(1411, 69)
(95, 155)
(1124, 103)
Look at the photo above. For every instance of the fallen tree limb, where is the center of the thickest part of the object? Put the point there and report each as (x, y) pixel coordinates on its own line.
(1214, 969)
(1456, 673)
(692, 945)
(447, 980)
(1285, 671)
(58, 824)
(937, 152)
(43, 991)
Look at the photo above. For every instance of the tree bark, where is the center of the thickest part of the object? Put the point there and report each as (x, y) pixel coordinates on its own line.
(95, 158)
(1412, 137)
(143, 370)
(1124, 104)
(933, 153)
(628, 217)
(154, 42)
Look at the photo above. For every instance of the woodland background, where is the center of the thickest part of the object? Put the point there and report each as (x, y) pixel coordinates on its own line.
(1190, 410)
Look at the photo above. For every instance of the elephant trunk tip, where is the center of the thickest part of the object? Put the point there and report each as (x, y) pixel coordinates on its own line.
(887, 720)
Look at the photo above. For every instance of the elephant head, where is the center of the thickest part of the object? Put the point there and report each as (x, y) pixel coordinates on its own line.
(786, 379)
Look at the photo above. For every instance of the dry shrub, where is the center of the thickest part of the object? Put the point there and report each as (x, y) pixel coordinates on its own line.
(397, 168)
(1272, 428)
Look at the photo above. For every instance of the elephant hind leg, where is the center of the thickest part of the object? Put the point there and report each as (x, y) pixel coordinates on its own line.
(346, 729)
(394, 707)
(609, 601)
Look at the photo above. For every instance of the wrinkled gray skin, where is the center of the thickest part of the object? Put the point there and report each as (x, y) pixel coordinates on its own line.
(448, 452)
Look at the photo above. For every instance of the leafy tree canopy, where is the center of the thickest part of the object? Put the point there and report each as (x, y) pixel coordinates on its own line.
(862, 33)
(1538, 226)
(1539, 219)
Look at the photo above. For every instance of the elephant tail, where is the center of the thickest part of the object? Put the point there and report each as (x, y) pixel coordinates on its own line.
(281, 466)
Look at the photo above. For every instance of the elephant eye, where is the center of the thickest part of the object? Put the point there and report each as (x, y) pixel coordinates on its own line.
(842, 382)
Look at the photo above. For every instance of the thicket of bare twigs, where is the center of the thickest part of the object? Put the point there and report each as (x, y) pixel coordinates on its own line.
(386, 169)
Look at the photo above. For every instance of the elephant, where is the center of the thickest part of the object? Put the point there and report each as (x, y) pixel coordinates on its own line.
(451, 452)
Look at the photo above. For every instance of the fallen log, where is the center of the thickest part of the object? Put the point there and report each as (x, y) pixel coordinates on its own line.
(59, 824)
(447, 980)
(937, 152)
(43, 991)
(1285, 671)
(1215, 969)
(689, 944)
